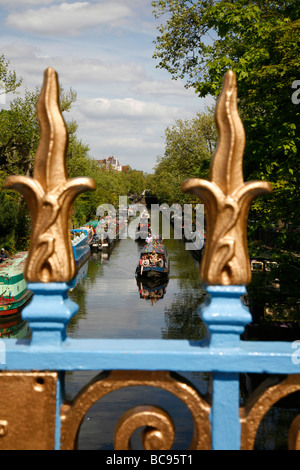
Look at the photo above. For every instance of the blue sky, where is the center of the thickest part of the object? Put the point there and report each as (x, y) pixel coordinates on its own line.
(102, 49)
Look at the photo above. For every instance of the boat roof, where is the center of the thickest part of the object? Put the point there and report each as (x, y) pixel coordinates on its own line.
(157, 247)
(13, 266)
(93, 223)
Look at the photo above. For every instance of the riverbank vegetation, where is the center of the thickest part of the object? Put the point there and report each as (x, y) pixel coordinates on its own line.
(189, 146)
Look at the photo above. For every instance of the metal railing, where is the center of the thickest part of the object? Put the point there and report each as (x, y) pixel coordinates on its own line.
(34, 413)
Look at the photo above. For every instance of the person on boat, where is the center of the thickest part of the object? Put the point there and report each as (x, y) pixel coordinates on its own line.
(145, 262)
(153, 258)
(149, 238)
(160, 262)
(3, 255)
(141, 260)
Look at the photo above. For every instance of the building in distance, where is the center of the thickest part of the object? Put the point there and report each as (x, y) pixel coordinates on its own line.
(112, 163)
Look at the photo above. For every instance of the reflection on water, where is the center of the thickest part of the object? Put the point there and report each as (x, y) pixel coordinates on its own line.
(152, 290)
(16, 329)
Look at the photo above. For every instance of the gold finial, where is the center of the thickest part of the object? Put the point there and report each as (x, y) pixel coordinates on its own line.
(49, 194)
(227, 197)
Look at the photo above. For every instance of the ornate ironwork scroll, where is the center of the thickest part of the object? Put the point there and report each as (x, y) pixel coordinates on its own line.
(226, 197)
(260, 403)
(49, 194)
(159, 433)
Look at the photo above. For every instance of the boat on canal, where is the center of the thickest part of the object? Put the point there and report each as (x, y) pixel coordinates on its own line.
(89, 231)
(80, 246)
(153, 262)
(14, 294)
(109, 232)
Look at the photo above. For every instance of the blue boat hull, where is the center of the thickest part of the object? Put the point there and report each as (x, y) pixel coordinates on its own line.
(81, 250)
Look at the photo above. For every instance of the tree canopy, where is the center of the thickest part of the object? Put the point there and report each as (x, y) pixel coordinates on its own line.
(9, 81)
(199, 40)
(188, 151)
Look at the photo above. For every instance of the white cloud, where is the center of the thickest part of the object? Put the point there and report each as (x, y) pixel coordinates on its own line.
(128, 109)
(30, 62)
(23, 3)
(163, 88)
(128, 128)
(69, 18)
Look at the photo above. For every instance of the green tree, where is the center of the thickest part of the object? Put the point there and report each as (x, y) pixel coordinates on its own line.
(9, 82)
(137, 181)
(188, 151)
(259, 40)
(19, 139)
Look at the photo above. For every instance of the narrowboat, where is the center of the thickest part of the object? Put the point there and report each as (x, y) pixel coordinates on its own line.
(153, 262)
(14, 294)
(89, 231)
(80, 246)
(107, 233)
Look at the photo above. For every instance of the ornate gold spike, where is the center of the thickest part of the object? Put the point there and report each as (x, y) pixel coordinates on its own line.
(226, 197)
(49, 194)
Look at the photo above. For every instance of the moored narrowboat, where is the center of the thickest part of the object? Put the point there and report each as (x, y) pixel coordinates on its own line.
(89, 231)
(108, 232)
(80, 246)
(14, 294)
